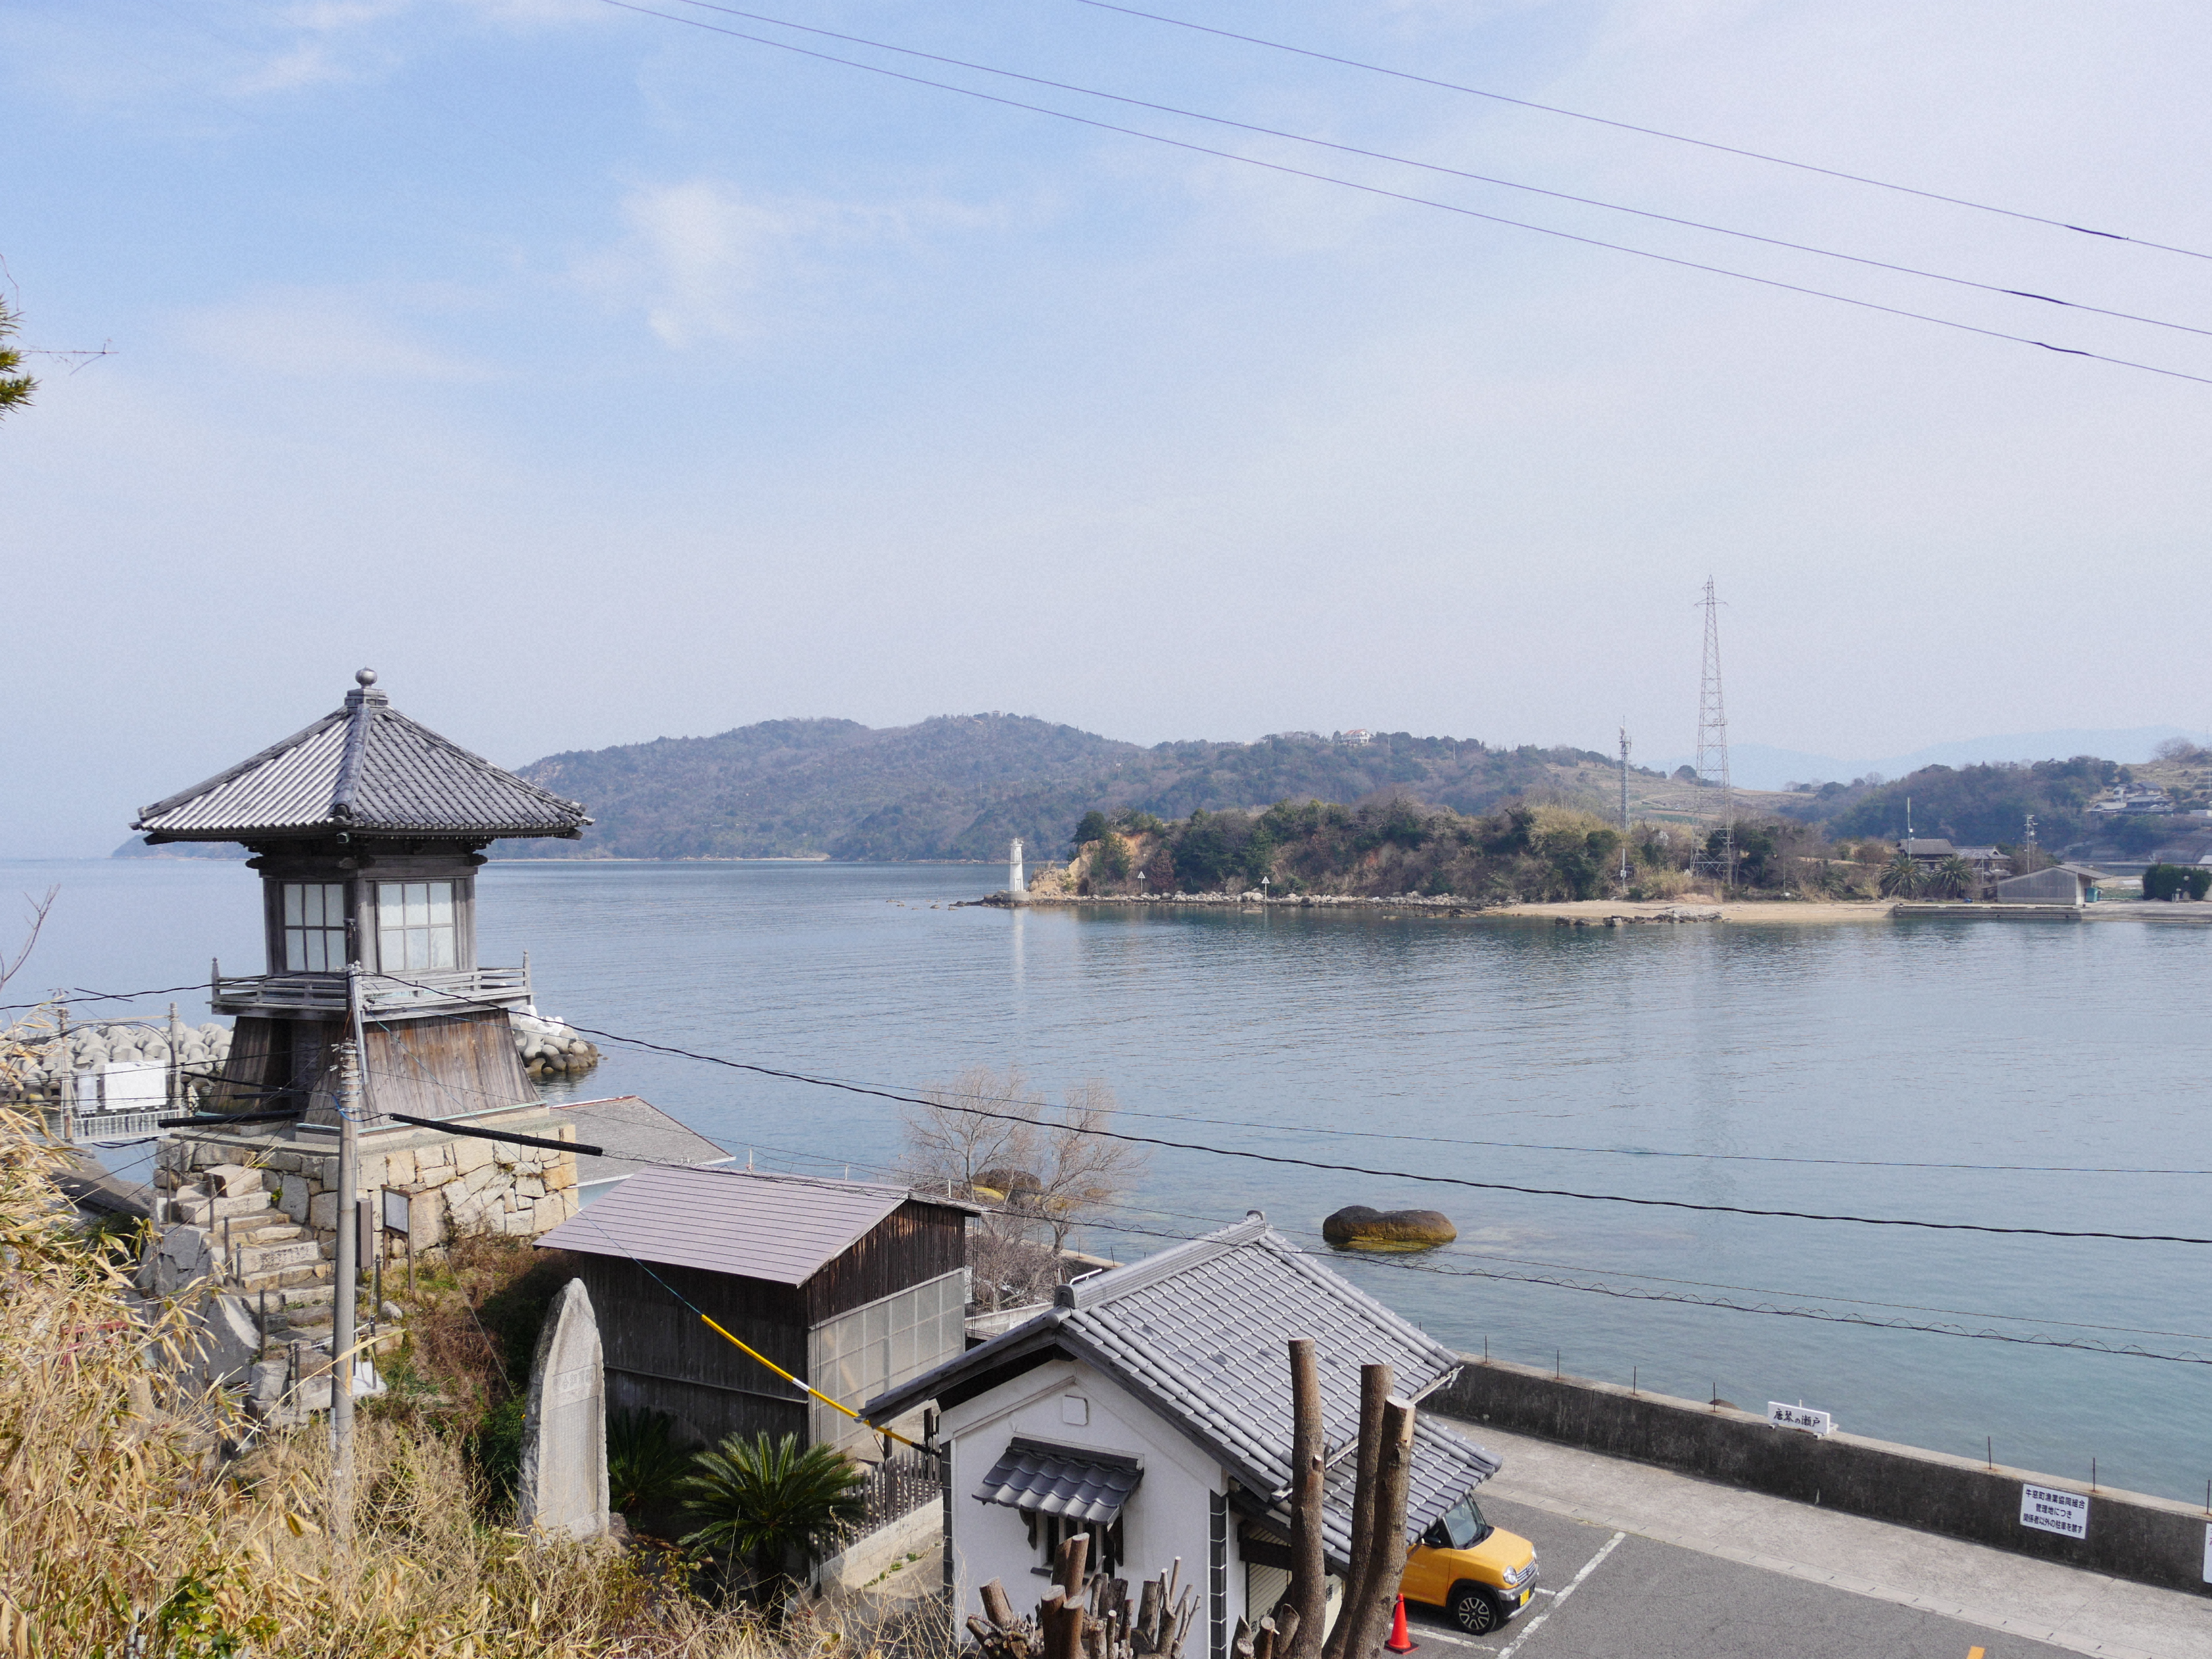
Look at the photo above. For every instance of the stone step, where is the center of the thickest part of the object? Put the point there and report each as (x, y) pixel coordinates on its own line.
(203, 1211)
(253, 1260)
(275, 1232)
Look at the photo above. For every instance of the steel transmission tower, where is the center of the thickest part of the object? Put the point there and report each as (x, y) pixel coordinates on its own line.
(1624, 803)
(1712, 739)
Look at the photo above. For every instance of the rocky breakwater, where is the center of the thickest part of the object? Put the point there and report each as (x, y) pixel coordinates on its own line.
(134, 1051)
(1356, 1227)
(551, 1048)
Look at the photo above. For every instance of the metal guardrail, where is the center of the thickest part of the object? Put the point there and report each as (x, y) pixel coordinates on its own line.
(83, 1129)
(416, 991)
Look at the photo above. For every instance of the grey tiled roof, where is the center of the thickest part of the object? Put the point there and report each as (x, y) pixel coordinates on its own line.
(1200, 1331)
(368, 769)
(1059, 1481)
(633, 1133)
(782, 1228)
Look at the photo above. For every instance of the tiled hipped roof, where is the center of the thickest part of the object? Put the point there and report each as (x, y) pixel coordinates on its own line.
(1199, 1333)
(368, 769)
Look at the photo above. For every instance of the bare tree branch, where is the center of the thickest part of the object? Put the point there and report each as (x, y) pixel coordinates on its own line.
(37, 918)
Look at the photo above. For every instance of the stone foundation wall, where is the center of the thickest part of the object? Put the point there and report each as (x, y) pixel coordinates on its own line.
(455, 1185)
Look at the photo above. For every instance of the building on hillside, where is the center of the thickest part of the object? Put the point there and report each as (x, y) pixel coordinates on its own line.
(2131, 798)
(368, 830)
(1150, 1407)
(2058, 883)
(851, 1286)
(1357, 737)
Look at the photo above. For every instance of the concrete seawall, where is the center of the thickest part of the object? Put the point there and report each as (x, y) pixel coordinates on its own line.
(2155, 1541)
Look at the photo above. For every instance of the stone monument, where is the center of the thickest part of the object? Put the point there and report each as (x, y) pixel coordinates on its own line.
(564, 1430)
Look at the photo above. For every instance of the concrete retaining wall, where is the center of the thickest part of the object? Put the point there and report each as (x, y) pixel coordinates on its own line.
(2130, 1535)
(867, 1560)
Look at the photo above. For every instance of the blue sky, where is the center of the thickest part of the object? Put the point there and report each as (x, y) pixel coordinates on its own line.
(595, 377)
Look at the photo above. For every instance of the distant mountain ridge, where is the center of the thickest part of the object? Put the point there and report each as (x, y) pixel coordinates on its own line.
(959, 787)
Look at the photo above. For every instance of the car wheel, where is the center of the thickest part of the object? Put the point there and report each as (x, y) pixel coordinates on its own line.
(1474, 1611)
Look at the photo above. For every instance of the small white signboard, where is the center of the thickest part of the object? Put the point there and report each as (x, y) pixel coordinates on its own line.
(2066, 1513)
(1803, 1419)
(395, 1211)
(2207, 1555)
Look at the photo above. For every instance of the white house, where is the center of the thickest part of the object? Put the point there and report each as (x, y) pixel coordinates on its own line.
(1150, 1406)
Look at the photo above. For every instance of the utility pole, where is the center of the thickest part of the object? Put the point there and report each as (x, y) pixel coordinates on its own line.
(176, 1062)
(345, 1306)
(2030, 859)
(1624, 800)
(65, 1095)
(1712, 734)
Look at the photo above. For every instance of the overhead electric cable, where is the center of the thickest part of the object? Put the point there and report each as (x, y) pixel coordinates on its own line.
(1287, 1159)
(1649, 132)
(1451, 172)
(1420, 201)
(1450, 1253)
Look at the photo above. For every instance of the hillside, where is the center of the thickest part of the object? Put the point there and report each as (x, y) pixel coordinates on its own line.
(959, 787)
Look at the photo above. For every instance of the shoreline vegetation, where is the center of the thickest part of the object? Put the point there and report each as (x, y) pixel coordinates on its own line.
(1396, 851)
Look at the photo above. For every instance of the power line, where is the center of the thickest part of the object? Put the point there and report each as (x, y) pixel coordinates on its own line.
(1212, 1222)
(1449, 171)
(1424, 201)
(1287, 1159)
(1649, 132)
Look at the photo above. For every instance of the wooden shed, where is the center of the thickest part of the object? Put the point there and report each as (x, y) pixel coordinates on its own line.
(852, 1286)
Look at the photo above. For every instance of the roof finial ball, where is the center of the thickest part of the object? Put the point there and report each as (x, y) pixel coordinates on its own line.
(365, 678)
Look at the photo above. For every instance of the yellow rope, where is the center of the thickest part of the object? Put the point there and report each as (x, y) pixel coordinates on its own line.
(816, 1392)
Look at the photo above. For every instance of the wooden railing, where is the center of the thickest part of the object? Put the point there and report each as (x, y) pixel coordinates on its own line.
(417, 990)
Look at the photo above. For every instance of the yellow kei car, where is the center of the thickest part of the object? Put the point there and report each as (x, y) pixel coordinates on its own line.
(1481, 1574)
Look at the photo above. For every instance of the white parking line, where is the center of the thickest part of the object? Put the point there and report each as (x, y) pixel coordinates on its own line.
(1560, 1599)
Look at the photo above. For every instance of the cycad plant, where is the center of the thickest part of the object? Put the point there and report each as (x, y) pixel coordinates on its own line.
(766, 1503)
(1901, 878)
(646, 1463)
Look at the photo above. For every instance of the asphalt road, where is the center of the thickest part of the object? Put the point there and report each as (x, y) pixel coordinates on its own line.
(1639, 1599)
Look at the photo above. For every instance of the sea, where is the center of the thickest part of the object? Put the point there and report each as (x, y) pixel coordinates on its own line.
(1527, 1079)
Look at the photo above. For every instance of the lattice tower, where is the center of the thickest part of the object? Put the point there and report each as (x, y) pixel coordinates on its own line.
(1712, 738)
(1624, 804)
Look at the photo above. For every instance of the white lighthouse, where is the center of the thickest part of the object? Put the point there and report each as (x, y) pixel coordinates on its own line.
(1014, 883)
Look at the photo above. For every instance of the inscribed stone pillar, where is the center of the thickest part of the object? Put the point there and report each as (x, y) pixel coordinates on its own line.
(564, 1430)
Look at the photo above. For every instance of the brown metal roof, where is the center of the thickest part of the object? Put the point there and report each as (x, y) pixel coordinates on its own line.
(368, 769)
(782, 1228)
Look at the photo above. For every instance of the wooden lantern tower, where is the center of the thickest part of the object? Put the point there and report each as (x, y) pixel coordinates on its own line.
(368, 830)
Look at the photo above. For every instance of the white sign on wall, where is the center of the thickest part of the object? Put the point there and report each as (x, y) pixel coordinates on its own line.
(2066, 1513)
(1803, 1419)
(2207, 1555)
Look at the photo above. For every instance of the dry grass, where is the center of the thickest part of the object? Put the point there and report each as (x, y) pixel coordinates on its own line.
(124, 1530)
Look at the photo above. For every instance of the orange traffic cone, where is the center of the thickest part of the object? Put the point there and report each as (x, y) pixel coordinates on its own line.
(1401, 1641)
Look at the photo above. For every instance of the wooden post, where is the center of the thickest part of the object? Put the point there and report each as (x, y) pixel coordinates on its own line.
(1308, 1597)
(1374, 1395)
(1386, 1554)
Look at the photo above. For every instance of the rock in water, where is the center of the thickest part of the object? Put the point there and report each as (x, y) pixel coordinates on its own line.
(1356, 1227)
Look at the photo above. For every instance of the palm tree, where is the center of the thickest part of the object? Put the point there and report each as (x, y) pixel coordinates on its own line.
(1954, 879)
(1901, 878)
(767, 1504)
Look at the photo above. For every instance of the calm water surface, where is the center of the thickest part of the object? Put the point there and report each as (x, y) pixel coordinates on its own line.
(1405, 1046)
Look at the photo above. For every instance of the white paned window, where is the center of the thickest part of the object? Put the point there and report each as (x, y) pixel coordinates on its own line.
(314, 927)
(414, 924)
